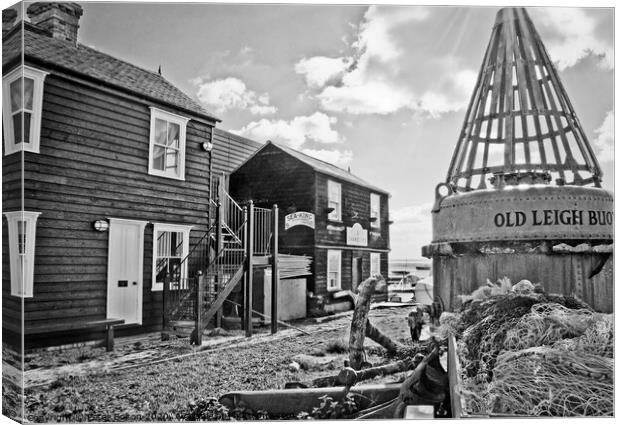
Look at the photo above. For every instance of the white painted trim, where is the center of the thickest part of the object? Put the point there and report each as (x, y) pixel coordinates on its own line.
(337, 214)
(141, 224)
(182, 123)
(38, 77)
(339, 286)
(351, 248)
(377, 223)
(165, 227)
(376, 255)
(22, 277)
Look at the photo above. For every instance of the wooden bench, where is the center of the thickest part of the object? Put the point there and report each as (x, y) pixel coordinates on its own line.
(78, 325)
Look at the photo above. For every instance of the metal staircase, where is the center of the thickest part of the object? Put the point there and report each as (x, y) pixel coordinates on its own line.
(215, 265)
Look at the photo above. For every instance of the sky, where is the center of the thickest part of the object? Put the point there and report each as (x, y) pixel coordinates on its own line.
(380, 89)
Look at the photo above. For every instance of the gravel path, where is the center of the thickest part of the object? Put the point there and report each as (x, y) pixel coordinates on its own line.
(156, 382)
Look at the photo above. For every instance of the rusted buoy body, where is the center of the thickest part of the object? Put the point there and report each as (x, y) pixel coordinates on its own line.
(522, 198)
(558, 236)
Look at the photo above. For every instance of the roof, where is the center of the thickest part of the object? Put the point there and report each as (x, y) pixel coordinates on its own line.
(320, 167)
(41, 47)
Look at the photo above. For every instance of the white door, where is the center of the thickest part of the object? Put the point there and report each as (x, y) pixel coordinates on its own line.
(125, 256)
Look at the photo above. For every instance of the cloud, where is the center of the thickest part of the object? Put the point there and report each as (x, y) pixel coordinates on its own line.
(232, 93)
(321, 70)
(336, 157)
(413, 213)
(604, 142)
(411, 230)
(375, 78)
(570, 35)
(294, 133)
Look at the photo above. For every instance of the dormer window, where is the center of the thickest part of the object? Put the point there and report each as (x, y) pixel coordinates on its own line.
(21, 106)
(167, 144)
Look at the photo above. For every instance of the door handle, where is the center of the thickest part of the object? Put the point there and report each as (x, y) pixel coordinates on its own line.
(135, 283)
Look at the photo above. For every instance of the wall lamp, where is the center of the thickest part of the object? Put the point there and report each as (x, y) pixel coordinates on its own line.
(330, 210)
(101, 225)
(207, 146)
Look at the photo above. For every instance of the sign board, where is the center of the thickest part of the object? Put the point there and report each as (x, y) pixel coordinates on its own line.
(357, 235)
(300, 218)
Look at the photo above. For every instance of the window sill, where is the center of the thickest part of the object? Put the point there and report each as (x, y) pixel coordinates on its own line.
(166, 176)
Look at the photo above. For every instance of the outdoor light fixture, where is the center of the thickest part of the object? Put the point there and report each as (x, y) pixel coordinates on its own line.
(101, 225)
(208, 146)
(330, 210)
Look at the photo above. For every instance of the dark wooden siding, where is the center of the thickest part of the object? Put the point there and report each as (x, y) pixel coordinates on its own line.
(230, 151)
(93, 164)
(355, 199)
(274, 177)
(11, 201)
(347, 255)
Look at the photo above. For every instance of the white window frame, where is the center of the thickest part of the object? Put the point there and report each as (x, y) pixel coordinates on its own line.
(332, 268)
(375, 210)
(182, 123)
(375, 263)
(165, 227)
(22, 263)
(38, 77)
(335, 215)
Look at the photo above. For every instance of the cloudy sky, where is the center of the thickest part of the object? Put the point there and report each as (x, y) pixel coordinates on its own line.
(380, 89)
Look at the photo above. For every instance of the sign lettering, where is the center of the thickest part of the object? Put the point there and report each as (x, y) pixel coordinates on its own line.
(357, 235)
(554, 218)
(300, 218)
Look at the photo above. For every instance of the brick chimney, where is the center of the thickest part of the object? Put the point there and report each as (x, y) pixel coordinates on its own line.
(61, 19)
(8, 19)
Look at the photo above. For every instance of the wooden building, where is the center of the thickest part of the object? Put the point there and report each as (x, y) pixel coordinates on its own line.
(326, 213)
(114, 164)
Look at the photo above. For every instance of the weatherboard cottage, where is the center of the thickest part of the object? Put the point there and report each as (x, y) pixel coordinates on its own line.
(115, 166)
(326, 213)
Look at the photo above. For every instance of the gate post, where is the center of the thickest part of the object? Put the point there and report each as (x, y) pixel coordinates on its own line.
(165, 301)
(275, 278)
(200, 294)
(247, 299)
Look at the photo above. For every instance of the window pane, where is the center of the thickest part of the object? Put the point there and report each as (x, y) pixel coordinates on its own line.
(173, 135)
(16, 95)
(27, 123)
(28, 92)
(160, 131)
(17, 127)
(177, 244)
(158, 157)
(21, 236)
(171, 159)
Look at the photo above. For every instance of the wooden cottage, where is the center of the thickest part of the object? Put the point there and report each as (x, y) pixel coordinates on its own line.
(326, 213)
(114, 164)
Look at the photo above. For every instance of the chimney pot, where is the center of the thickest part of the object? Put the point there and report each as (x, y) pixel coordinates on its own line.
(60, 19)
(8, 19)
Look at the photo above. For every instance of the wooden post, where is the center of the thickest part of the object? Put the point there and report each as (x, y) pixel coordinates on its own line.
(165, 302)
(200, 294)
(247, 310)
(275, 278)
(219, 246)
(358, 322)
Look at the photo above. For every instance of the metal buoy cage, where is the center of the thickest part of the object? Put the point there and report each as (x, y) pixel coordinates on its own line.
(523, 196)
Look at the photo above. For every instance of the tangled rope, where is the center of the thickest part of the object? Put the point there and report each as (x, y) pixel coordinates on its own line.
(529, 353)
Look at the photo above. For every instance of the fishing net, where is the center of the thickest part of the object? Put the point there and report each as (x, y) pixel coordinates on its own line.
(530, 353)
(544, 381)
(548, 323)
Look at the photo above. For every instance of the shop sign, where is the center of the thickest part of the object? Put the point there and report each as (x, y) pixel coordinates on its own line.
(300, 218)
(357, 235)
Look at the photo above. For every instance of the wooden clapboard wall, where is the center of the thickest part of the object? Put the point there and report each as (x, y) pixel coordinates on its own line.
(93, 164)
(520, 118)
